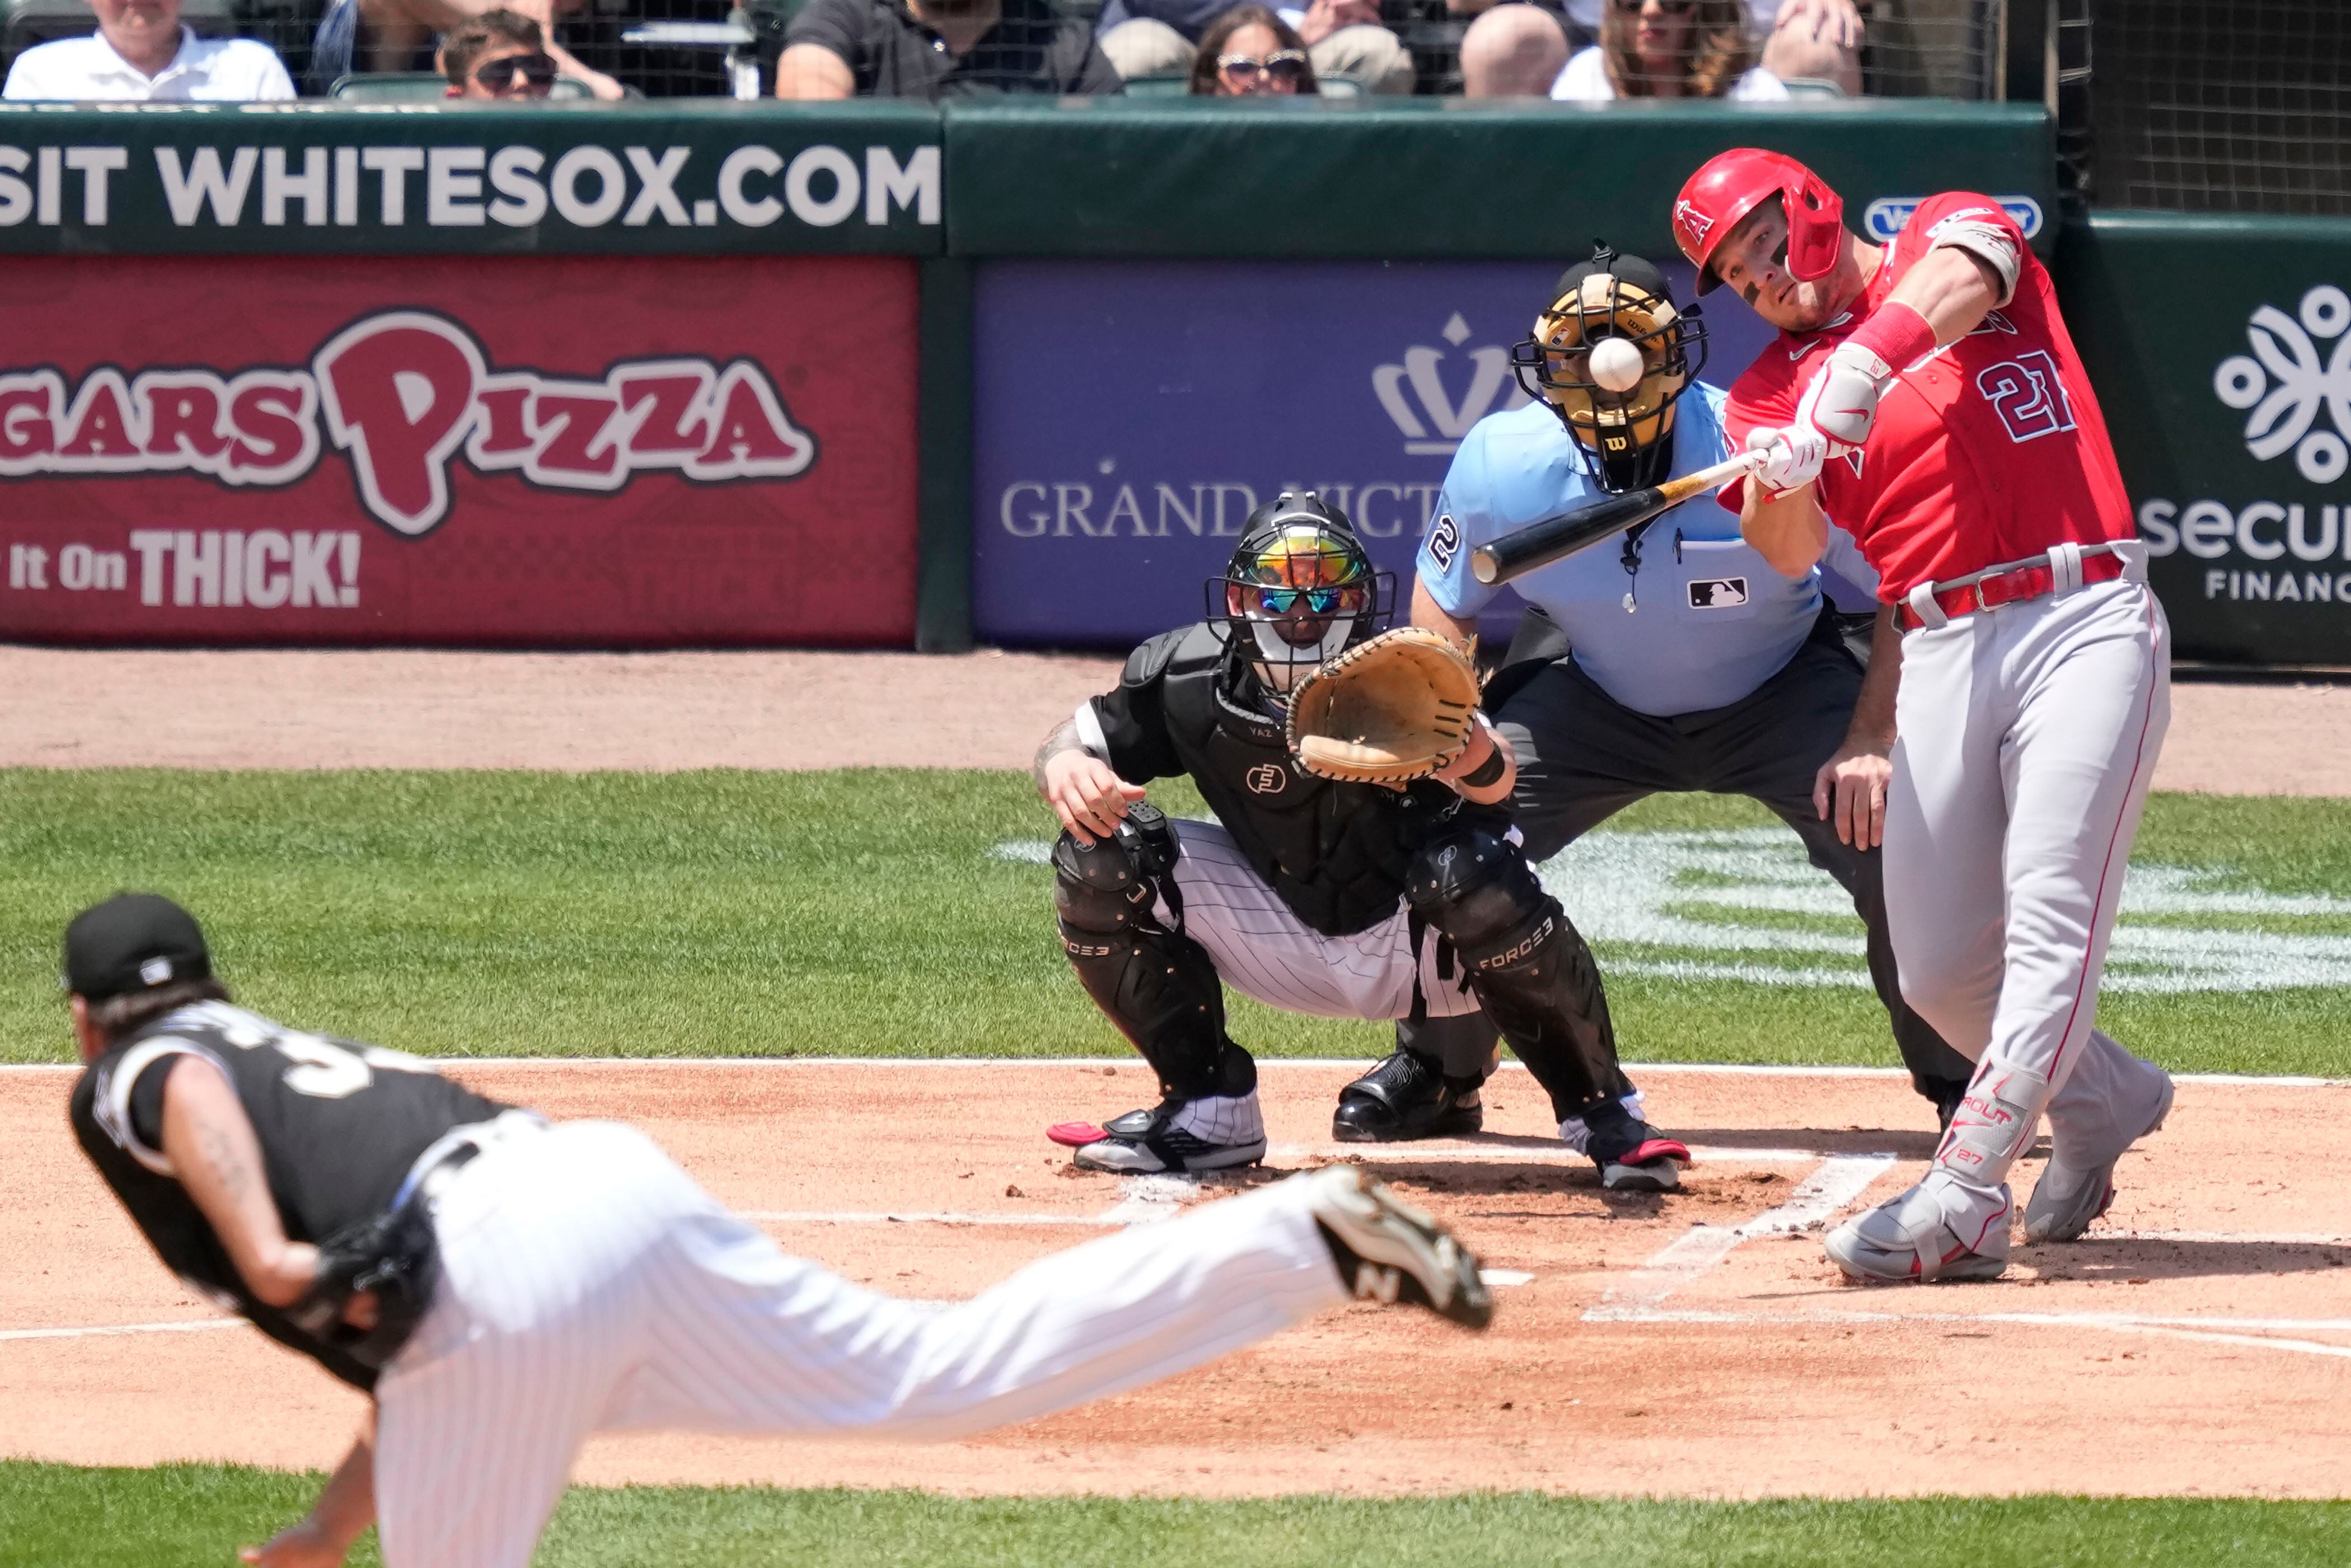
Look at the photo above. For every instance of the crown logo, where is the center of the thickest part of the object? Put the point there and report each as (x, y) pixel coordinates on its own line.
(1430, 408)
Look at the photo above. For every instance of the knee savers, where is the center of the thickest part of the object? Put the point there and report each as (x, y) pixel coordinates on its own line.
(1528, 965)
(1158, 986)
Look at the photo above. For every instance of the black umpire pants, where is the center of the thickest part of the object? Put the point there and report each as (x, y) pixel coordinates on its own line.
(1583, 757)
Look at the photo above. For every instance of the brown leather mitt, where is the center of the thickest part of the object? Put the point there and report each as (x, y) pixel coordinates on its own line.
(1395, 708)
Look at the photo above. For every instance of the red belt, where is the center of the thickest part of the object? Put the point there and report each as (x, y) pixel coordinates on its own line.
(2009, 587)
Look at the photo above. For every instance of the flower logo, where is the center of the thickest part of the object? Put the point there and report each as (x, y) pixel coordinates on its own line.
(2283, 414)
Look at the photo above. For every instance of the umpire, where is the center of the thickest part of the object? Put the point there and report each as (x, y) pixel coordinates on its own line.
(1677, 660)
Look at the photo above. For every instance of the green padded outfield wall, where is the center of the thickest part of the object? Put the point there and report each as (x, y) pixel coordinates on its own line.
(1426, 177)
(2221, 349)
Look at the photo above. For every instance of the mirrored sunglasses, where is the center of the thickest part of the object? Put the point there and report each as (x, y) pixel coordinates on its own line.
(1319, 600)
(1285, 64)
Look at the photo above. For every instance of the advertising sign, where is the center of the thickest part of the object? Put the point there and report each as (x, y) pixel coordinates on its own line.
(541, 452)
(2220, 350)
(1130, 415)
(683, 176)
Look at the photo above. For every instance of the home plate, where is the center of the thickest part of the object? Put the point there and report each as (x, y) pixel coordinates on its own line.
(1506, 1276)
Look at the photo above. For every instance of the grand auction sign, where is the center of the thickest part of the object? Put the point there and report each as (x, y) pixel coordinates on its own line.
(538, 452)
(2221, 349)
(1129, 415)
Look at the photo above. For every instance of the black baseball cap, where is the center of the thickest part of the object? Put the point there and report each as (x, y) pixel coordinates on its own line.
(133, 942)
(1639, 271)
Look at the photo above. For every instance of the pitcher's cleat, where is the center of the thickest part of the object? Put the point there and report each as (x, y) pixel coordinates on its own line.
(2065, 1201)
(1388, 1251)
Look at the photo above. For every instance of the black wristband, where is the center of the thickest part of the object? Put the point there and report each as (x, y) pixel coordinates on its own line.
(1487, 772)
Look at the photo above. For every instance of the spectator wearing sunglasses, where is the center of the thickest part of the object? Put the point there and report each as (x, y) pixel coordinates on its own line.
(1815, 40)
(1670, 49)
(504, 55)
(1249, 52)
(141, 53)
(1341, 37)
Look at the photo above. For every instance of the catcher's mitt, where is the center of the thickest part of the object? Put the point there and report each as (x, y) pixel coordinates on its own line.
(1395, 708)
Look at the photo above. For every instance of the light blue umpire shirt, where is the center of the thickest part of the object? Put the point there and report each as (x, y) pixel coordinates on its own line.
(1712, 620)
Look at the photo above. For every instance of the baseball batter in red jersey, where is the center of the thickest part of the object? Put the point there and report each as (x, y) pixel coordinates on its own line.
(1927, 396)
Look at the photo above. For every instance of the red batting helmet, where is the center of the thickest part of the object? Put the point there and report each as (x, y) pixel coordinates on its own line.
(1732, 185)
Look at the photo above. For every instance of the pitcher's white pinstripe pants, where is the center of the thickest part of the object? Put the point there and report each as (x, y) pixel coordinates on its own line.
(589, 1284)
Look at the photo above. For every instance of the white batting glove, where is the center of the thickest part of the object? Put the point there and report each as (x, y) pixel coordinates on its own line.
(1793, 456)
(1842, 400)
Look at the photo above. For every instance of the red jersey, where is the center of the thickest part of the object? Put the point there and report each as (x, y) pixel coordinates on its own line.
(1991, 449)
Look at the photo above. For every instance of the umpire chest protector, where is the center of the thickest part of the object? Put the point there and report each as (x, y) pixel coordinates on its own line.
(1336, 854)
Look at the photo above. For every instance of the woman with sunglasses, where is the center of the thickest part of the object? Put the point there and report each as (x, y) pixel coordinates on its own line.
(1249, 52)
(1669, 48)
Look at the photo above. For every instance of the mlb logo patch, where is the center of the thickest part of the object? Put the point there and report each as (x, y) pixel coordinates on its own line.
(1718, 592)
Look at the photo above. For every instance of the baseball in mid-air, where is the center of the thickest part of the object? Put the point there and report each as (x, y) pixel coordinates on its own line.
(1616, 364)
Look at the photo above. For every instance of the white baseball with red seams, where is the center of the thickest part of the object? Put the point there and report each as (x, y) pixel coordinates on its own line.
(2028, 732)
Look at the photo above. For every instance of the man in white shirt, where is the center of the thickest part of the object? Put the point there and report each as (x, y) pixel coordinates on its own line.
(141, 53)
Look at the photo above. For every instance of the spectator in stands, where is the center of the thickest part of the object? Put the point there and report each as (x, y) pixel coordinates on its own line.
(1669, 48)
(502, 54)
(140, 52)
(938, 49)
(1513, 50)
(399, 37)
(1816, 41)
(1342, 37)
(1249, 52)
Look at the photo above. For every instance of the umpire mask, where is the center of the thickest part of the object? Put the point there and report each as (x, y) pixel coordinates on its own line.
(1299, 590)
(1623, 430)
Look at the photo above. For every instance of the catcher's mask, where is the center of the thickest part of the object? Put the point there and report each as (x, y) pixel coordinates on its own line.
(1299, 589)
(1625, 438)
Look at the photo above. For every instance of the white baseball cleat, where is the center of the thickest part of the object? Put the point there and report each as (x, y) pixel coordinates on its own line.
(2065, 1201)
(1940, 1229)
(1387, 1251)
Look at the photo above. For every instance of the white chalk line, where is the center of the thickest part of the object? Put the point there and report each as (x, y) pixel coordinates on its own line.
(194, 1325)
(1274, 1063)
(1514, 1154)
(1837, 1182)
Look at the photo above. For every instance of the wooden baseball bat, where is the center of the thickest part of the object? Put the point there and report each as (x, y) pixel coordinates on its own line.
(1538, 544)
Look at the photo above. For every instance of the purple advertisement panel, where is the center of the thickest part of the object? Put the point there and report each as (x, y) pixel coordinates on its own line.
(1130, 415)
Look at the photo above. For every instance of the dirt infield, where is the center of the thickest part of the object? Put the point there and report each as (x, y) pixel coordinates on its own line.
(69, 708)
(1682, 1346)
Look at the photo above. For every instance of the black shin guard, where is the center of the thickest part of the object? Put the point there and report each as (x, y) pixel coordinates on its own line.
(1159, 987)
(1532, 972)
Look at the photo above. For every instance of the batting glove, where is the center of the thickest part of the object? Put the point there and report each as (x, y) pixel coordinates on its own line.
(1793, 457)
(1842, 400)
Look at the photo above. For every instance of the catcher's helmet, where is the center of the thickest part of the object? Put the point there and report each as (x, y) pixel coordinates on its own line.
(1299, 588)
(1625, 438)
(1730, 185)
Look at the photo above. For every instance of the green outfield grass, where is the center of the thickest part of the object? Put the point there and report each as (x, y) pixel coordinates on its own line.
(867, 912)
(61, 1517)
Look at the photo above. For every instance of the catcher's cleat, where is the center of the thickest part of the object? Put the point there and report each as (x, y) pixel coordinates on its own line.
(1942, 1228)
(1388, 1251)
(1210, 1133)
(2065, 1201)
(1632, 1156)
(1406, 1097)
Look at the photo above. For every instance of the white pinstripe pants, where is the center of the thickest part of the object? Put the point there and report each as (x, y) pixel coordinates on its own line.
(589, 1284)
(1263, 950)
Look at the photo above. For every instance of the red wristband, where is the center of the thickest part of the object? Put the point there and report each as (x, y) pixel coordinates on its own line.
(1898, 334)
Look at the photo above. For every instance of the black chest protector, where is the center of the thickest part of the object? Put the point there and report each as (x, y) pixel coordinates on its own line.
(1336, 854)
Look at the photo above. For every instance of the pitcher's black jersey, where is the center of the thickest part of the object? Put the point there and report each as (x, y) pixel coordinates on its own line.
(339, 1124)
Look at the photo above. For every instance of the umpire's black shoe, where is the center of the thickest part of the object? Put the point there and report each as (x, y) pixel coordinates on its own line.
(1407, 1096)
(1632, 1156)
